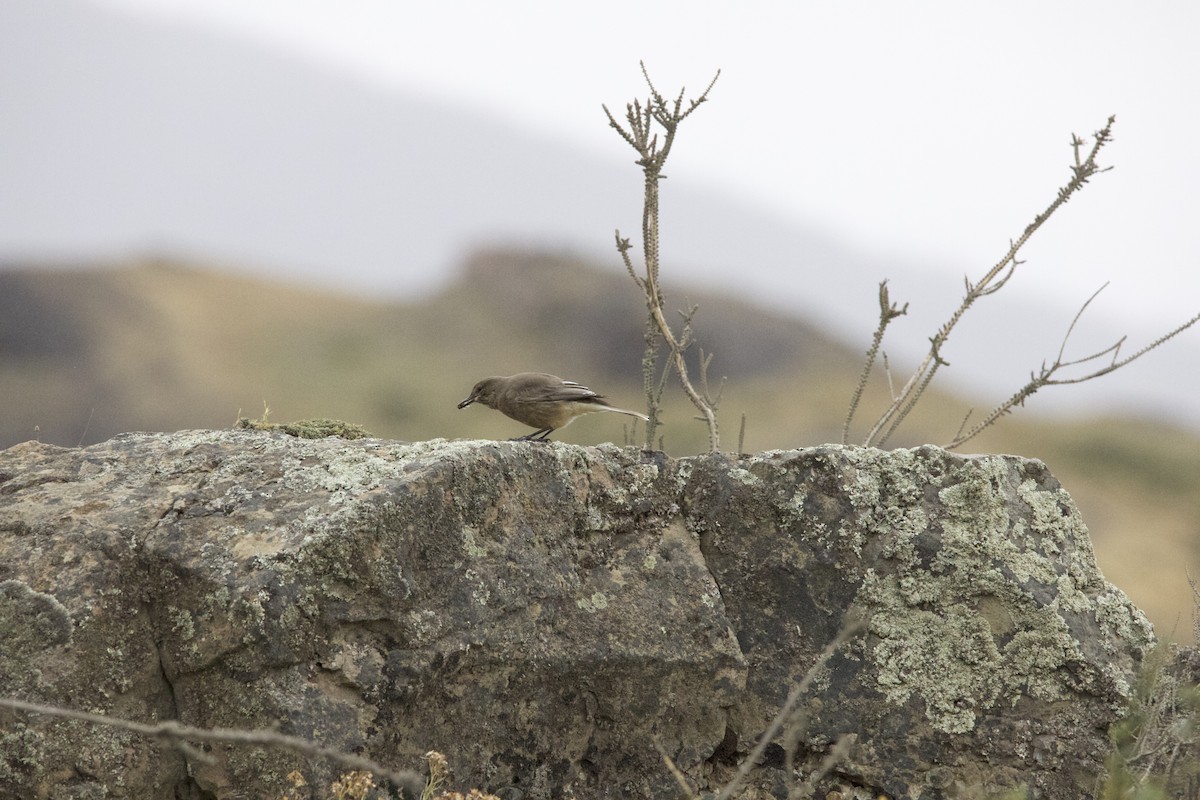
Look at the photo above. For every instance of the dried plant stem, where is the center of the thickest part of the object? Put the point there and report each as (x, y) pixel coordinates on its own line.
(1084, 167)
(1045, 375)
(851, 627)
(179, 736)
(1082, 170)
(1194, 585)
(888, 311)
(681, 779)
(838, 753)
(642, 137)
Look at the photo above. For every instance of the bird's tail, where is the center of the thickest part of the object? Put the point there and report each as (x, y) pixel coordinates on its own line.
(637, 414)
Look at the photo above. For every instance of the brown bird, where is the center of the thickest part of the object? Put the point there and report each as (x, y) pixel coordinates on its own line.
(541, 401)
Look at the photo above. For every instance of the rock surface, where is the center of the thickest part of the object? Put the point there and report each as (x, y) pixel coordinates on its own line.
(544, 613)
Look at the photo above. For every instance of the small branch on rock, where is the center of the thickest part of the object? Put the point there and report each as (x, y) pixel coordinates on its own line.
(688, 791)
(179, 736)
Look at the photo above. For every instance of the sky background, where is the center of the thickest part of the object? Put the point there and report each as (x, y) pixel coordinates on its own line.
(368, 144)
(928, 129)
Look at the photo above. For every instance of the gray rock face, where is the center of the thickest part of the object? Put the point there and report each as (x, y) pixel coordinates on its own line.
(544, 613)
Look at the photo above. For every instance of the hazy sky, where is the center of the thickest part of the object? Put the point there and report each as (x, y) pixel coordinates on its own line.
(934, 129)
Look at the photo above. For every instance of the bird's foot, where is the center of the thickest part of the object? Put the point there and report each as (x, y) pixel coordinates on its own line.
(536, 436)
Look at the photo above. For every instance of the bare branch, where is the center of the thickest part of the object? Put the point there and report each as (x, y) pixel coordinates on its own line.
(1118, 364)
(1075, 321)
(888, 311)
(623, 246)
(840, 750)
(994, 279)
(1045, 376)
(688, 790)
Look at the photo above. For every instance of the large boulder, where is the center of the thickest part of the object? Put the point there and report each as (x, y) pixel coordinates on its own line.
(550, 616)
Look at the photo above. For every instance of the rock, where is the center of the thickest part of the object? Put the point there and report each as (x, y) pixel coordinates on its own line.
(544, 614)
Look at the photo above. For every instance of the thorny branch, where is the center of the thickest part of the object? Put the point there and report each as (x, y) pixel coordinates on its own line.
(1082, 170)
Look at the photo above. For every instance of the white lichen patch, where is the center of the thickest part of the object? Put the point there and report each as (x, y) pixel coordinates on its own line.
(744, 477)
(182, 623)
(1114, 609)
(941, 657)
(643, 475)
(952, 659)
(425, 625)
(480, 592)
(596, 602)
(470, 543)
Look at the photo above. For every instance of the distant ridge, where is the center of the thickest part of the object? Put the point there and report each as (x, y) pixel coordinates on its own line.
(127, 135)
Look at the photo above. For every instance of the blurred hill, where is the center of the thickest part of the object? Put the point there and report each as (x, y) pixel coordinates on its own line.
(89, 353)
(124, 133)
(159, 345)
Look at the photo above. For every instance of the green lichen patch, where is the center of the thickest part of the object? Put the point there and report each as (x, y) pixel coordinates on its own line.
(318, 428)
(986, 609)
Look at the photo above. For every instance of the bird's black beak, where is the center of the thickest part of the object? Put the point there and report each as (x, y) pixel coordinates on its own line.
(467, 402)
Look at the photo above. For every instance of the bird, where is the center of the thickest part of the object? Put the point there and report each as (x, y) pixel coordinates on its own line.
(539, 400)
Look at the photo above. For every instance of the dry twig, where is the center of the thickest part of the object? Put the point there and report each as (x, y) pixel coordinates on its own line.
(1045, 375)
(888, 311)
(179, 736)
(642, 135)
(1083, 168)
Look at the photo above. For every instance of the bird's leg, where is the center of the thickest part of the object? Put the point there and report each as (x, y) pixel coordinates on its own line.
(536, 436)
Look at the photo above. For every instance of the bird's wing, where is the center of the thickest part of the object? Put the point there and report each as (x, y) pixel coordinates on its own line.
(567, 391)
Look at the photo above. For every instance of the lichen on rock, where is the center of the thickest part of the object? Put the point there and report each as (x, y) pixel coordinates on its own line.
(544, 613)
